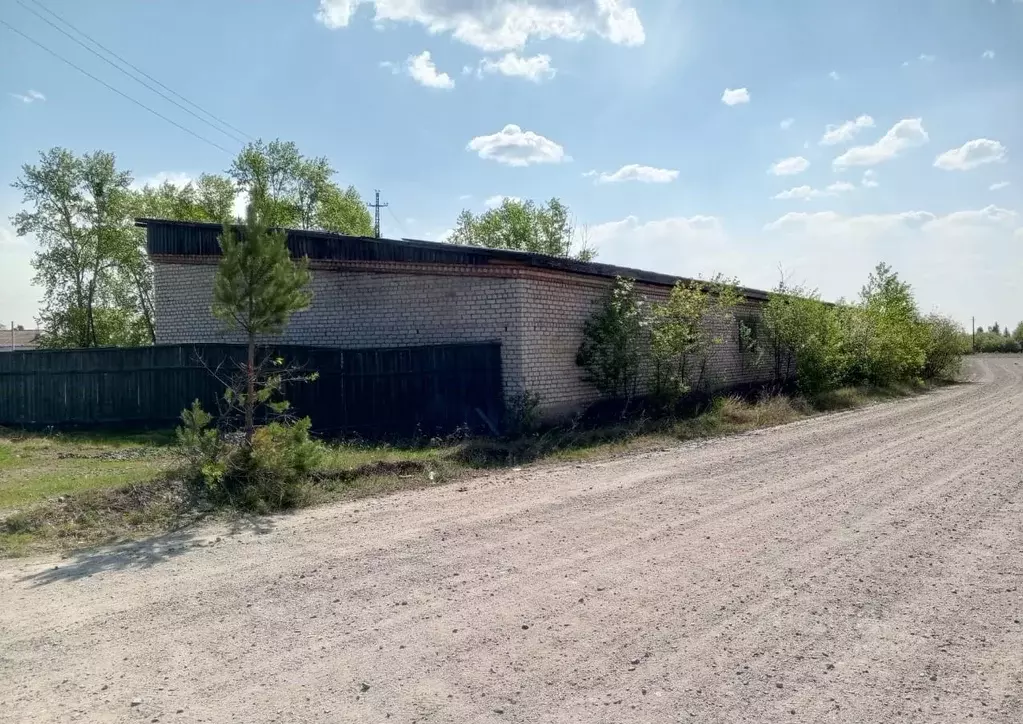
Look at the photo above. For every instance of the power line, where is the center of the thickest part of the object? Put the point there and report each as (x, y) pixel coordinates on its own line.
(140, 104)
(400, 225)
(114, 65)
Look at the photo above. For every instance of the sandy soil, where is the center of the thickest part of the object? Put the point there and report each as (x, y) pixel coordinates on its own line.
(863, 567)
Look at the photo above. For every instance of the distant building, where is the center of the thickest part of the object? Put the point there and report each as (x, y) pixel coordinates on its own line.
(19, 339)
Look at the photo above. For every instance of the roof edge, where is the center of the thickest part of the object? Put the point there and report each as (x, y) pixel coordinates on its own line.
(460, 254)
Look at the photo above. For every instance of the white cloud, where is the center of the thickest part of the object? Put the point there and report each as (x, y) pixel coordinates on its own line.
(636, 172)
(907, 133)
(789, 166)
(536, 68)
(840, 187)
(971, 155)
(732, 97)
(514, 147)
(30, 96)
(989, 216)
(787, 124)
(925, 58)
(494, 201)
(388, 65)
(845, 132)
(493, 25)
(832, 224)
(686, 246)
(424, 72)
(988, 55)
(964, 261)
(178, 178)
(465, 197)
(998, 186)
(805, 193)
(834, 75)
(967, 262)
(869, 179)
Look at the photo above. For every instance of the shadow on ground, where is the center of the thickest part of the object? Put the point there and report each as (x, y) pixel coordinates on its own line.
(143, 554)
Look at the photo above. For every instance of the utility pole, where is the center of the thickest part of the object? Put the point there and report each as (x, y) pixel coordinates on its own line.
(973, 324)
(376, 207)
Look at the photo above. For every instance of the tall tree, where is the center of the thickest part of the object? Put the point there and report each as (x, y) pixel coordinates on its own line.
(257, 289)
(523, 226)
(896, 340)
(209, 198)
(297, 191)
(80, 214)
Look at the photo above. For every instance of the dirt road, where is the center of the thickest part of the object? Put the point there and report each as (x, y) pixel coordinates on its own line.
(863, 567)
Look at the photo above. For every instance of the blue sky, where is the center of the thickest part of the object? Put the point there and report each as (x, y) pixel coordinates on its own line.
(687, 137)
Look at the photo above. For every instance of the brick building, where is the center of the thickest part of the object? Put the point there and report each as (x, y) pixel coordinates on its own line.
(370, 293)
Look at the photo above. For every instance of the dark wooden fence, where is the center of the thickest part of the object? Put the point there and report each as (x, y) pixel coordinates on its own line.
(370, 392)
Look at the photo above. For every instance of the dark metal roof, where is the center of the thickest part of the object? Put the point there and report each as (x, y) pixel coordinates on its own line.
(190, 238)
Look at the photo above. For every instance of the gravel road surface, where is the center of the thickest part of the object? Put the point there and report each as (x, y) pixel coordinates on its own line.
(861, 567)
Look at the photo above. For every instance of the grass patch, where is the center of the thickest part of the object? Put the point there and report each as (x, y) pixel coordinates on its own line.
(34, 467)
(62, 492)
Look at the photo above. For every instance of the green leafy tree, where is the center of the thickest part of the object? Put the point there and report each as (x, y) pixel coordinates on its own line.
(806, 334)
(523, 226)
(613, 343)
(947, 342)
(895, 341)
(1017, 334)
(298, 192)
(89, 259)
(209, 198)
(684, 328)
(257, 289)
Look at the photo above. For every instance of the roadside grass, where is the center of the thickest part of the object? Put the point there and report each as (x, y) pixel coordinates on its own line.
(64, 492)
(34, 467)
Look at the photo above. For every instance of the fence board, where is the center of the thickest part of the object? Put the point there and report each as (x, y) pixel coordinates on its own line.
(371, 392)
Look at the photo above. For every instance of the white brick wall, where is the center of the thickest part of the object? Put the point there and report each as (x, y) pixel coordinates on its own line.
(536, 315)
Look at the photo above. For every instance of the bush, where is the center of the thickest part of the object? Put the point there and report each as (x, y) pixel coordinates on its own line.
(806, 333)
(613, 342)
(946, 345)
(200, 445)
(992, 342)
(880, 340)
(274, 472)
(270, 473)
(681, 333)
(523, 413)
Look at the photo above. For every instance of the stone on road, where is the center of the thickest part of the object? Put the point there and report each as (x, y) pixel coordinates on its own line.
(860, 567)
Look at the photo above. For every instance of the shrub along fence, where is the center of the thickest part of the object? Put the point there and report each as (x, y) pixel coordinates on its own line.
(374, 393)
